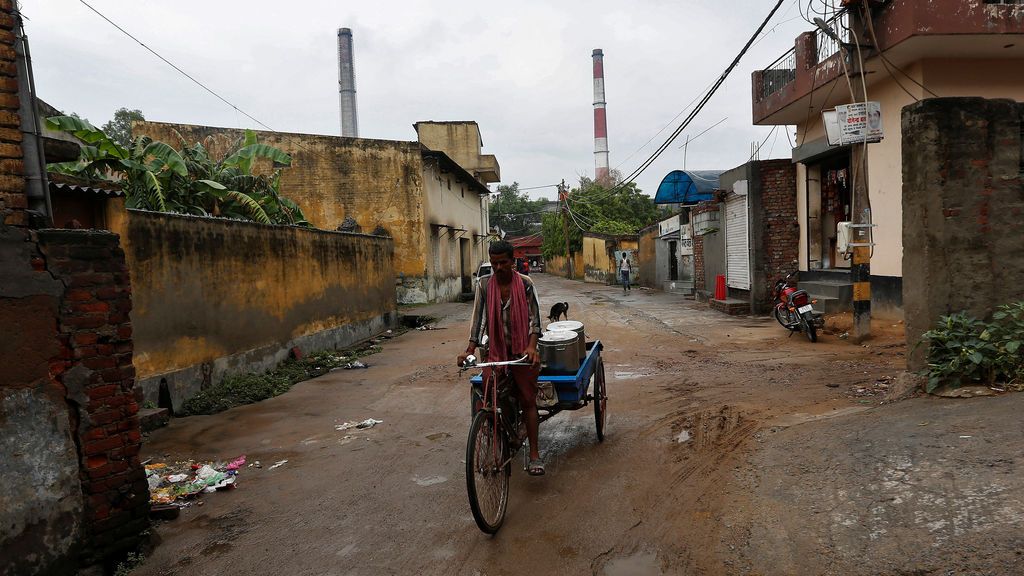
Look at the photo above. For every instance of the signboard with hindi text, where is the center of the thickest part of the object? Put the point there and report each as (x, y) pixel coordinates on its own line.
(859, 123)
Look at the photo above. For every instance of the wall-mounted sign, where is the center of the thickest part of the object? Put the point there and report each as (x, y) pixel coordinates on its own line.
(854, 124)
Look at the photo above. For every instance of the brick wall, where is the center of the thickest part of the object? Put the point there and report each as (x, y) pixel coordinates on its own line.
(780, 243)
(699, 264)
(12, 187)
(963, 211)
(94, 365)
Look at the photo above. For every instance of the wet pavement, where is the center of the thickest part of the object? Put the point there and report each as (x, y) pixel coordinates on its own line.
(699, 406)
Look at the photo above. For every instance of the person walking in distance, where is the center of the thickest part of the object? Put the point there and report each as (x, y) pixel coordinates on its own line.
(507, 310)
(624, 270)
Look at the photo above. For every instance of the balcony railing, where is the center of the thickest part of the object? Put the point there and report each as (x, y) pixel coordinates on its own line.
(826, 45)
(778, 74)
(784, 70)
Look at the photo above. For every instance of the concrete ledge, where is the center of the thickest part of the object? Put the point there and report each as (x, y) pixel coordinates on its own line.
(187, 382)
(731, 306)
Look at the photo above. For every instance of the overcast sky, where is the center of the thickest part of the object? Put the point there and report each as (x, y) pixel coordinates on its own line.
(521, 69)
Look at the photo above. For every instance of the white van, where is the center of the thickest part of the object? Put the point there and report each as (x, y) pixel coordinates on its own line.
(483, 270)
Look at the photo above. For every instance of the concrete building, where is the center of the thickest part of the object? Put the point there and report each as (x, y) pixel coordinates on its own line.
(429, 195)
(603, 253)
(910, 51)
(665, 258)
(759, 233)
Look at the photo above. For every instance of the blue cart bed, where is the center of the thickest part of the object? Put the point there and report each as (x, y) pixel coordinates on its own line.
(572, 389)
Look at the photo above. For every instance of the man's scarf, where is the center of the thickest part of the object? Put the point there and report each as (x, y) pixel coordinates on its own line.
(519, 317)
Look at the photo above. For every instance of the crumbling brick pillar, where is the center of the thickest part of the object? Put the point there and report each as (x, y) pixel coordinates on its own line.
(963, 211)
(12, 186)
(94, 365)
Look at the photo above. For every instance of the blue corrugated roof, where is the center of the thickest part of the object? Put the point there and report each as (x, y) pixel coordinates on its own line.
(688, 186)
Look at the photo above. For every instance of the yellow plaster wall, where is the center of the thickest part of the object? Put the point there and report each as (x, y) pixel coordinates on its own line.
(376, 182)
(205, 289)
(459, 140)
(556, 265)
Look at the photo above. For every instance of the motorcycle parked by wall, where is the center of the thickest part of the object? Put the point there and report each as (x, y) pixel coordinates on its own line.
(793, 308)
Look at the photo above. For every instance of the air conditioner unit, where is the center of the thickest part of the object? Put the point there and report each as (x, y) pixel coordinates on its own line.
(844, 235)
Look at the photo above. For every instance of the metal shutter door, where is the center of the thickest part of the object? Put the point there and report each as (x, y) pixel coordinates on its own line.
(737, 255)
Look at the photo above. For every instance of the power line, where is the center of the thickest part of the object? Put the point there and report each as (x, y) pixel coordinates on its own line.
(172, 65)
(706, 130)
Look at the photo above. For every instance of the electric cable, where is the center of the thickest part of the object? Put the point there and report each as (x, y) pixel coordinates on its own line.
(700, 106)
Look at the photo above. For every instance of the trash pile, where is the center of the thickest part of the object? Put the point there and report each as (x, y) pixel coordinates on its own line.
(178, 483)
(368, 423)
(879, 386)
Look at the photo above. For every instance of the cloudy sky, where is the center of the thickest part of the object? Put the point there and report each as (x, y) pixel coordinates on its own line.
(521, 69)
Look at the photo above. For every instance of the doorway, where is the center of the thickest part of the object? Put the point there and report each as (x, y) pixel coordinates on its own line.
(466, 268)
(673, 261)
(829, 203)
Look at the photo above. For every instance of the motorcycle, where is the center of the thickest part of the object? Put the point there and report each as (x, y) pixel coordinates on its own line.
(794, 310)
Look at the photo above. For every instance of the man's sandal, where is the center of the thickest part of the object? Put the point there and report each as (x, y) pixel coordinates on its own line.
(535, 468)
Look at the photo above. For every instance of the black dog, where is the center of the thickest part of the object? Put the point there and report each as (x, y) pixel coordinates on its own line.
(558, 310)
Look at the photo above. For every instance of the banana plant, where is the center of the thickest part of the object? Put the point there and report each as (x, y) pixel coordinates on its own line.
(157, 177)
(236, 191)
(145, 169)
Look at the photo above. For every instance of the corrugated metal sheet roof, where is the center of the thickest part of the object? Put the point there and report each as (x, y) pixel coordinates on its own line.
(80, 189)
(688, 186)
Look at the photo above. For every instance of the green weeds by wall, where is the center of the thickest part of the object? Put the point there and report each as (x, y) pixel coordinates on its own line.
(965, 350)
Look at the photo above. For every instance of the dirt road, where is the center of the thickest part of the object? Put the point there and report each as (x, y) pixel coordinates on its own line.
(690, 390)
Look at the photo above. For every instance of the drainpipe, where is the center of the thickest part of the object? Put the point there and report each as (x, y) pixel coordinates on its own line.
(37, 189)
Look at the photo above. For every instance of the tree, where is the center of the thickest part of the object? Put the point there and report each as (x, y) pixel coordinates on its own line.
(615, 209)
(120, 128)
(514, 212)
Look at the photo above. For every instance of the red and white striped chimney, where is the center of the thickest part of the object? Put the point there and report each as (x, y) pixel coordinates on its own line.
(600, 121)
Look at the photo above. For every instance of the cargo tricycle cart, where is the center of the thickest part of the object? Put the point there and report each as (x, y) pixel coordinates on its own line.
(496, 434)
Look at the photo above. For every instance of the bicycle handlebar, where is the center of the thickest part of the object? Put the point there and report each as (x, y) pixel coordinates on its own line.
(471, 362)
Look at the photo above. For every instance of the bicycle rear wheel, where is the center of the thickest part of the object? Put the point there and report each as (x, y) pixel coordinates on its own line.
(487, 476)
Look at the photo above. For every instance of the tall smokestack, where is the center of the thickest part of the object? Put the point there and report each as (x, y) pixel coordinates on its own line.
(600, 120)
(347, 84)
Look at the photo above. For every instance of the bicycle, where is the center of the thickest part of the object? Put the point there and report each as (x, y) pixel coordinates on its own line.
(496, 434)
(495, 437)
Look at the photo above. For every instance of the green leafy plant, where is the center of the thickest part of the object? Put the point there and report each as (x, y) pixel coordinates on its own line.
(1007, 332)
(132, 561)
(963, 349)
(157, 177)
(250, 388)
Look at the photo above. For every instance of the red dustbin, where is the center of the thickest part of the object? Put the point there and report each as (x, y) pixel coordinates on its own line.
(720, 287)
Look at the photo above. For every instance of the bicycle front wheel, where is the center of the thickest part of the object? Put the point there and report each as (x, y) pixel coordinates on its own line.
(486, 477)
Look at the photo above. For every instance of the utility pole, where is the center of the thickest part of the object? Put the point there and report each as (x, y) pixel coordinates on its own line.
(562, 197)
(860, 270)
(861, 243)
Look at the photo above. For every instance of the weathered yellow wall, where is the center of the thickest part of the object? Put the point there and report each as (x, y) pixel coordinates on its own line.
(646, 257)
(376, 182)
(595, 260)
(462, 142)
(455, 256)
(556, 265)
(599, 262)
(237, 295)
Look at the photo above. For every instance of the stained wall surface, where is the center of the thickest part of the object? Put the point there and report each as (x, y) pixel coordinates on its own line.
(374, 182)
(963, 211)
(214, 296)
